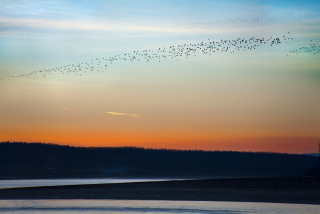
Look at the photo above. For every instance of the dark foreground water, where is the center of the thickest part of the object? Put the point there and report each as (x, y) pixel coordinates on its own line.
(60, 182)
(148, 207)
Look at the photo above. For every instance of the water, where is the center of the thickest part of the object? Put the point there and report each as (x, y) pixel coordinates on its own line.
(148, 207)
(59, 182)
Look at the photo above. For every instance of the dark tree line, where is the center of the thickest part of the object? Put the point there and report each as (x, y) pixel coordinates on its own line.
(314, 170)
(18, 159)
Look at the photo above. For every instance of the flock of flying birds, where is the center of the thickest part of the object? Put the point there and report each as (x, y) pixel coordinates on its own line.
(225, 23)
(175, 52)
(312, 48)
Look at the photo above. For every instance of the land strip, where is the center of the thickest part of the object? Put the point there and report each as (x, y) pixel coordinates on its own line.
(301, 190)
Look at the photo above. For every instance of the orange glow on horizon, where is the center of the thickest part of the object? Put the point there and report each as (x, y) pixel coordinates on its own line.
(165, 140)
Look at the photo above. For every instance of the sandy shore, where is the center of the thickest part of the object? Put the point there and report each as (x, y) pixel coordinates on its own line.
(303, 190)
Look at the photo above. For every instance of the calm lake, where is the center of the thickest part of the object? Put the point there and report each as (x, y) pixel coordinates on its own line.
(146, 207)
(59, 182)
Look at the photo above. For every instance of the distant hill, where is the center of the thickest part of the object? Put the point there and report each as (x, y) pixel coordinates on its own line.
(48, 160)
(313, 154)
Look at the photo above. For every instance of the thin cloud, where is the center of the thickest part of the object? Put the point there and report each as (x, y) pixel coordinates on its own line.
(68, 109)
(123, 114)
(101, 26)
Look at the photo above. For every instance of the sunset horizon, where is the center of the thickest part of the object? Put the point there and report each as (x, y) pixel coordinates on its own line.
(208, 75)
(160, 106)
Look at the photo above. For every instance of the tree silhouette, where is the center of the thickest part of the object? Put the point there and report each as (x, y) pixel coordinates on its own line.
(18, 159)
(319, 156)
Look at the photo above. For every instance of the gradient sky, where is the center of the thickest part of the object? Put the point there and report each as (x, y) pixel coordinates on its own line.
(266, 99)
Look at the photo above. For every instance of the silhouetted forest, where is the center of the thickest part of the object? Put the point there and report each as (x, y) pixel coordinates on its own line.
(314, 170)
(21, 160)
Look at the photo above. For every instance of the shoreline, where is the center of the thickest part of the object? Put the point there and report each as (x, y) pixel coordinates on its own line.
(298, 190)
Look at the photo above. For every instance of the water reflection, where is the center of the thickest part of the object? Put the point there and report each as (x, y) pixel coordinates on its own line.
(145, 206)
(58, 182)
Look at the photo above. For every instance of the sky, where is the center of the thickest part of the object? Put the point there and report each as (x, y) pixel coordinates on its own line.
(118, 73)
